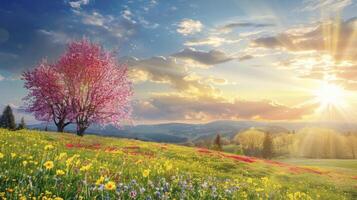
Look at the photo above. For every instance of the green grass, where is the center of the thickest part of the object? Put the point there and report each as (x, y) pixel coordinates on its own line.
(231, 148)
(330, 163)
(340, 165)
(64, 166)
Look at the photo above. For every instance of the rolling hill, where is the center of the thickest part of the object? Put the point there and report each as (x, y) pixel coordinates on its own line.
(63, 166)
(182, 133)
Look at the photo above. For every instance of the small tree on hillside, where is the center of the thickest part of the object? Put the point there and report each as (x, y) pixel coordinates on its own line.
(7, 119)
(217, 143)
(267, 151)
(22, 124)
(251, 141)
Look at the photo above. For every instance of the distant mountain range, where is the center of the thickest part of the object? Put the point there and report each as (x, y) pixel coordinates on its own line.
(183, 133)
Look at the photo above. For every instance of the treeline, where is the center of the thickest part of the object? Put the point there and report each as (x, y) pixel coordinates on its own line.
(7, 120)
(252, 143)
(307, 143)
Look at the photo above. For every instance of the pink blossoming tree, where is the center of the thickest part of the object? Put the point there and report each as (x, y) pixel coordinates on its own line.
(47, 98)
(98, 87)
(95, 88)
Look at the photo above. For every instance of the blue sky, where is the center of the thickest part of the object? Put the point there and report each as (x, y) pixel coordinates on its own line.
(241, 60)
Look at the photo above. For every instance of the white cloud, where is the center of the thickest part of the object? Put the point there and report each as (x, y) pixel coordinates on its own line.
(310, 57)
(211, 41)
(78, 4)
(229, 27)
(153, 2)
(128, 15)
(328, 5)
(314, 39)
(121, 27)
(150, 5)
(147, 24)
(205, 58)
(189, 27)
(1, 77)
(108, 23)
(206, 108)
(167, 70)
(176, 70)
(56, 37)
(95, 19)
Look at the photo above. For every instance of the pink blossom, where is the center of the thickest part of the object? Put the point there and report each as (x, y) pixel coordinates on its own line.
(87, 84)
(47, 98)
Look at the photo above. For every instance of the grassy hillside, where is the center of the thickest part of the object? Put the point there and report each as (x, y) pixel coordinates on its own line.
(64, 166)
(345, 166)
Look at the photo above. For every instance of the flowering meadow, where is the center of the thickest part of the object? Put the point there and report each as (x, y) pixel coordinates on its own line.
(45, 165)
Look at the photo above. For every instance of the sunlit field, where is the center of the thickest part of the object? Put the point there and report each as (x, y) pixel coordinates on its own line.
(347, 166)
(178, 100)
(49, 165)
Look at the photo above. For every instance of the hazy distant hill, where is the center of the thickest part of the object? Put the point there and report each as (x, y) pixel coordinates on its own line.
(181, 132)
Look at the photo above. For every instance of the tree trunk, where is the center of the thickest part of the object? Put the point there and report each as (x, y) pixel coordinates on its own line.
(60, 128)
(80, 130)
(61, 125)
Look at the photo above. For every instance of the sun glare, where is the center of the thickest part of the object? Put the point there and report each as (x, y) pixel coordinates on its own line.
(330, 95)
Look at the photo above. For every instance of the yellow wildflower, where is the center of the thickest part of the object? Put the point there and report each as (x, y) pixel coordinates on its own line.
(62, 155)
(49, 147)
(48, 165)
(78, 162)
(250, 180)
(100, 180)
(58, 198)
(24, 163)
(265, 180)
(291, 196)
(146, 173)
(1, 155)
(70, 160)
(110, 186)
(85, 168)
(60, 172)
(168, 165)
(13, 155)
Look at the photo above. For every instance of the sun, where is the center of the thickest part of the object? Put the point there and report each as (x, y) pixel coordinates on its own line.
(333, 103)
(330, 95)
